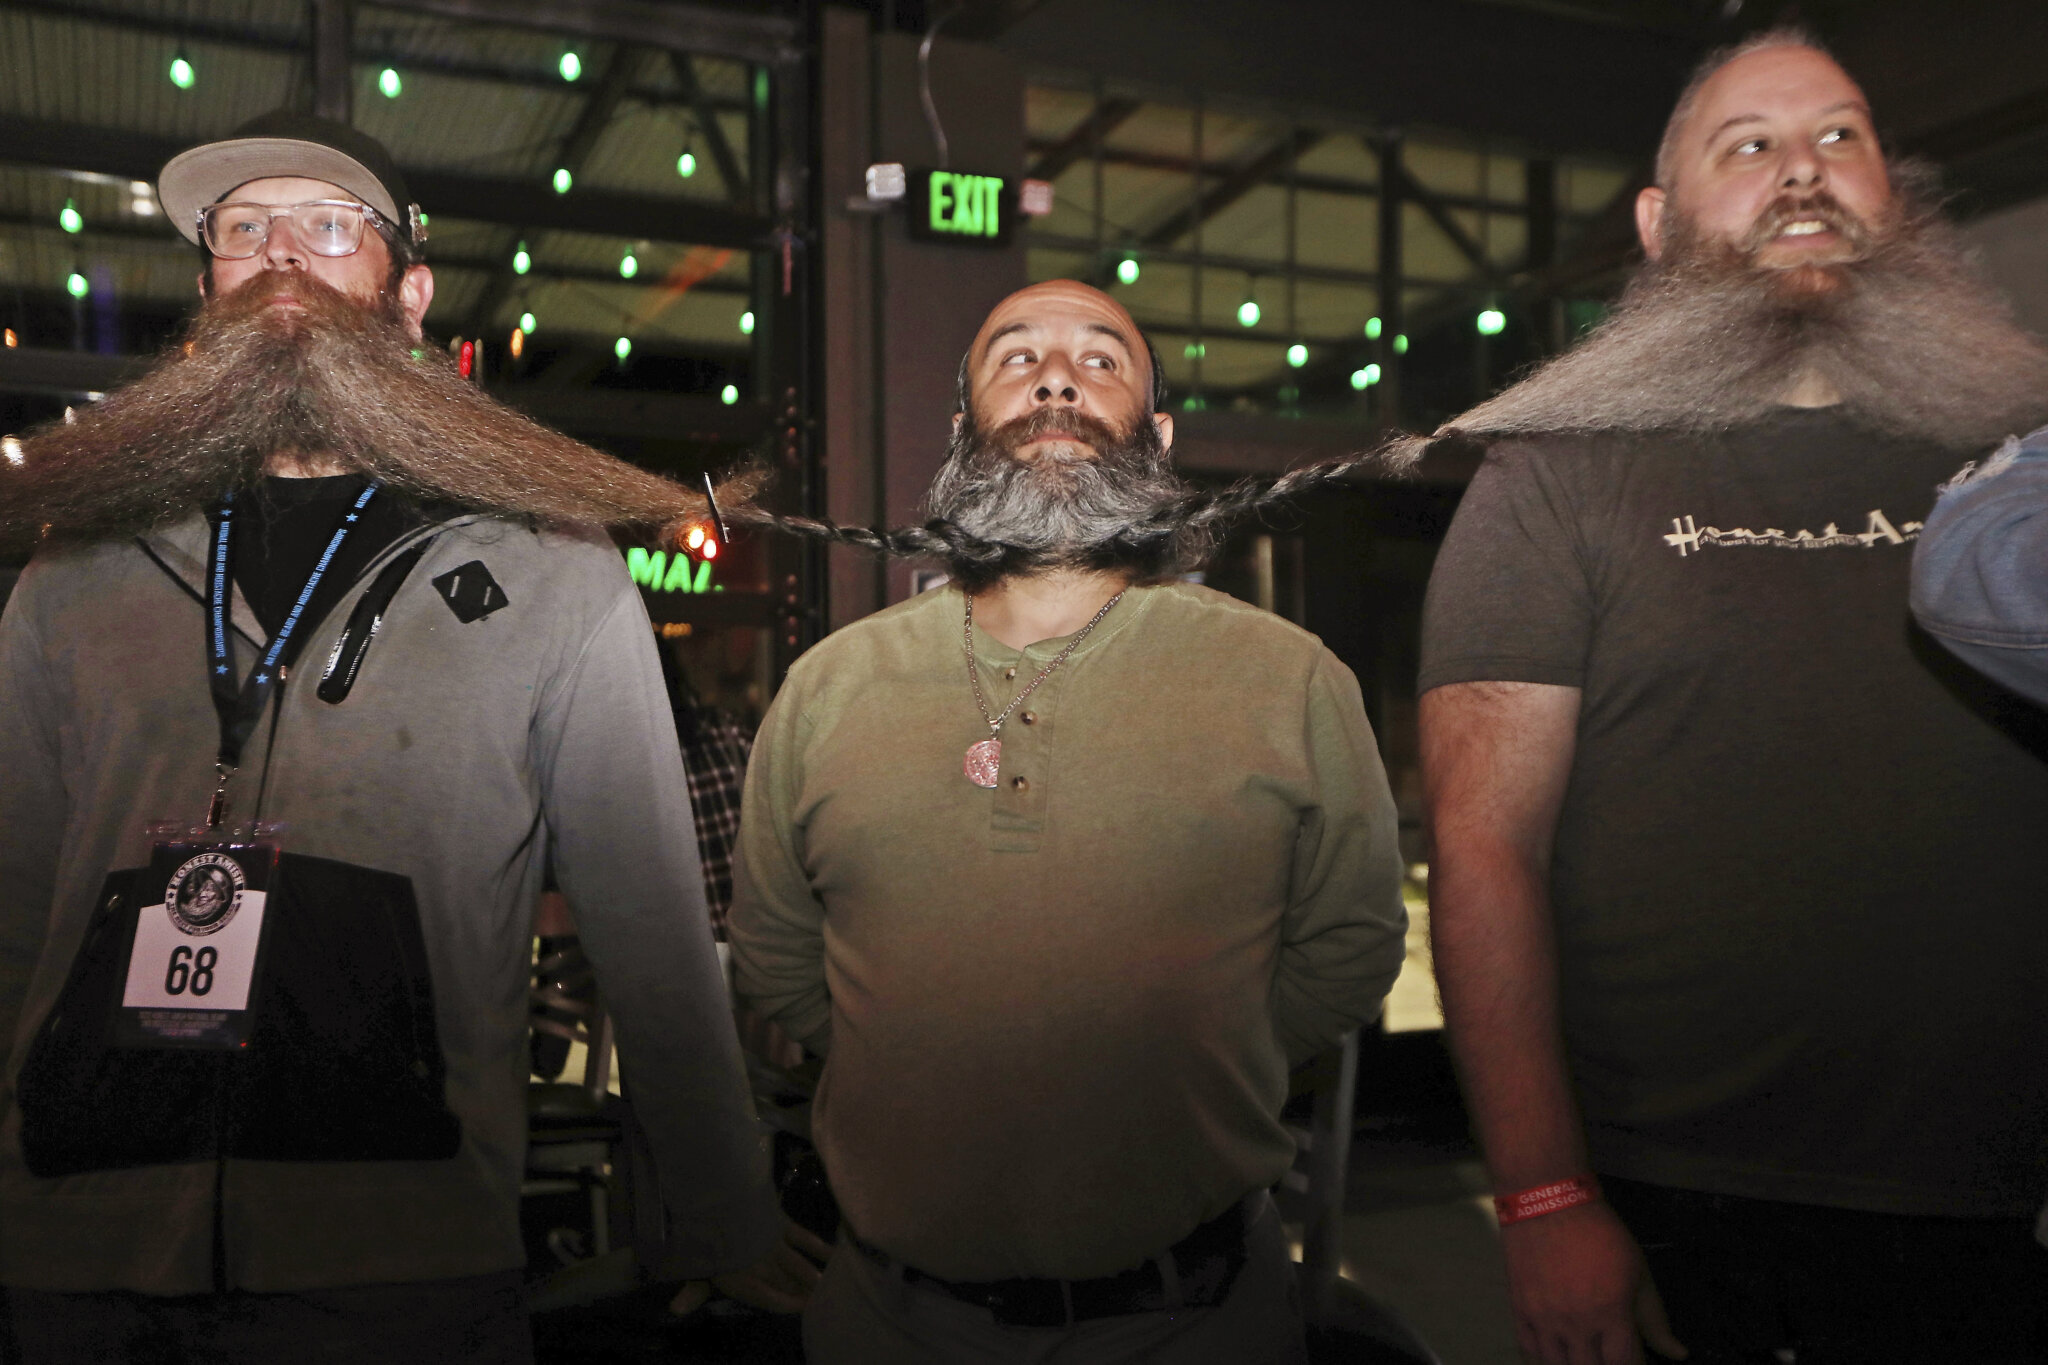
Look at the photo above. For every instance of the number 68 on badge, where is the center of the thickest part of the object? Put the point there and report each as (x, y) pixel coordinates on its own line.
(193, 963)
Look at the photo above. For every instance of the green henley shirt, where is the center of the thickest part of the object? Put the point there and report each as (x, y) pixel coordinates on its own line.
(1060, 1013)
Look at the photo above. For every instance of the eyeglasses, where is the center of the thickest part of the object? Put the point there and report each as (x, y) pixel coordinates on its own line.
(327, 227)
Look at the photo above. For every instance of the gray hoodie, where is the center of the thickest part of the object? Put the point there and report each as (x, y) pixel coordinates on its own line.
(465, 753)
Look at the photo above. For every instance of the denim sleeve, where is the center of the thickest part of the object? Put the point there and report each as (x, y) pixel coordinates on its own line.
(1980, 571)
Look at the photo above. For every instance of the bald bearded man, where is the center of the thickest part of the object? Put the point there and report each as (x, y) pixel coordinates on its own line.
(1061, 867)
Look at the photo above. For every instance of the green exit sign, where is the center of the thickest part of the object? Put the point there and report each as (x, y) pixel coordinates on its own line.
(962, 207)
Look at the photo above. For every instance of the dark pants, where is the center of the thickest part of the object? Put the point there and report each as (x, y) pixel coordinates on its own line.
(1745, 1278)
(475, 1320)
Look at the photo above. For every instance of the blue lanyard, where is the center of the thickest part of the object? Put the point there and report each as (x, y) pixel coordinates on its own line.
(240, 709)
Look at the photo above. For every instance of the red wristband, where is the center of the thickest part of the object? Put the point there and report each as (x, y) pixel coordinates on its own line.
(1555, 1197)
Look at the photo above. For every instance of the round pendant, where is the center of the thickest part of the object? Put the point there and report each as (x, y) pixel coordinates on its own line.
(984, 761)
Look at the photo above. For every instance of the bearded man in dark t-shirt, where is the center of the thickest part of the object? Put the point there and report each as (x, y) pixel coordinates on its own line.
(1737, 894)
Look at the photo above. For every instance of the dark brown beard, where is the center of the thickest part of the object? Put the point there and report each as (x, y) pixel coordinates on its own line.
(334, 378)
(1706, 339)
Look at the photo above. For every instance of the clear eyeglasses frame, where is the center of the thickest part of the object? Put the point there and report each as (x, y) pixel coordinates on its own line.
(235, 231)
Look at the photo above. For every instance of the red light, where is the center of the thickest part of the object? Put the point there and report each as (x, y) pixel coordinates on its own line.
(709, 549)
(468, 360)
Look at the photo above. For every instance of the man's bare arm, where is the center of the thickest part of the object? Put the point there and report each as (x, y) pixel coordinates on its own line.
(1495, 760)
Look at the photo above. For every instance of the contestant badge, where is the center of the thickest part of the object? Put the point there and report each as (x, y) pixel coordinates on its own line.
(193, 964)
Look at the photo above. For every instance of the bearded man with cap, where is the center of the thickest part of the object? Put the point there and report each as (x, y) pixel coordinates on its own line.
(310, 614)
(1737, 888)
(1060, 867)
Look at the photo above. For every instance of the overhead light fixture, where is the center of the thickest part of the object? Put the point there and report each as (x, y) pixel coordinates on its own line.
(1194, 350)
(571, 65)
(729, 395)
(70, 219)
(1127, 270)
(747, 323)
(622, 348)
(516, 344)
(686, 165)
(1372, 329)
(1297, 355)
(1401, 344)
(11, 339)
(521, 260)
(629, 265)
(77, 286)
(182, 74)
(527, 323)
(389, 83)
(1248, 312)
(142, 202)
(563, 180)
(1490, 322)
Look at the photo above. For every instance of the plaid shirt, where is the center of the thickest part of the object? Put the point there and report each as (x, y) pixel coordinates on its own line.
(715, 749)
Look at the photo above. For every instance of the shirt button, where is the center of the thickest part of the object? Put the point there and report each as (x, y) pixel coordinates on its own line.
(1029, 718)
(1020, 784)
(1010, 674)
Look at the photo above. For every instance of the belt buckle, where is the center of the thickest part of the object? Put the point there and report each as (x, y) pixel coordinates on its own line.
(1031, 1303)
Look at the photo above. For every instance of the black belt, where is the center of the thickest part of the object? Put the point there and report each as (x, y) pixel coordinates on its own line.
(1206, 1263)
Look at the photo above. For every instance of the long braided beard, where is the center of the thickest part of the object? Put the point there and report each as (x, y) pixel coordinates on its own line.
(331, 378)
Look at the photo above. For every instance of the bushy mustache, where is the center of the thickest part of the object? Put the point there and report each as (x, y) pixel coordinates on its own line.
(1818, 206)
(1012, 436)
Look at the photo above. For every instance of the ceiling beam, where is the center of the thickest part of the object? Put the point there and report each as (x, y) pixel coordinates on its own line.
(42, 369)
(513, 203)
(591, 121)
(1104, 118)
(735, 179)
(1252, 265)
(748, 35)
(1304, 180)
(1234, 186)
(1413, 191)
(294, 43)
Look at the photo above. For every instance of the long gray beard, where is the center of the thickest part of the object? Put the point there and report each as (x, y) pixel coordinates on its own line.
(1058, 511)
(1911, 339)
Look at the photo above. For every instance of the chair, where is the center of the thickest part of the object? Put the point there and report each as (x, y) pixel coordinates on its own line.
(1344, 1321)
(582, 1139)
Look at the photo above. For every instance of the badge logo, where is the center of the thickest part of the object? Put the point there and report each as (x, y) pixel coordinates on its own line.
(470, 591)
(204, 893)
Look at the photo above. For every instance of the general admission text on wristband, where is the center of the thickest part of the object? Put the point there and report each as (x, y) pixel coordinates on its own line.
(1552, 1198)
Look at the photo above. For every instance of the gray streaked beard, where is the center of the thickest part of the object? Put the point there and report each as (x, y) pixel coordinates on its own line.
(1704, 339)
(1060, 511)
(338, 378)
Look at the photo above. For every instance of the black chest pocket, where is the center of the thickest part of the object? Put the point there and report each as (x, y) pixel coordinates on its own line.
(343, 1061)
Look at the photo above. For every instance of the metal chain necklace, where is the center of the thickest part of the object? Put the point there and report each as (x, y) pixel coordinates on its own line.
(985, 759)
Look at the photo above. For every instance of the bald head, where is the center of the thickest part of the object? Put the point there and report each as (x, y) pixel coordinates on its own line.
(1063, 344)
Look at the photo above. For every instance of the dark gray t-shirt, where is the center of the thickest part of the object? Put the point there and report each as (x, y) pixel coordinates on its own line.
(1801, 872)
